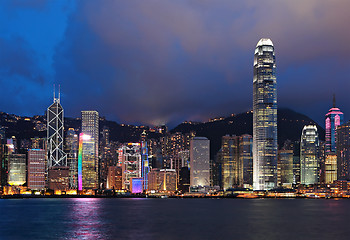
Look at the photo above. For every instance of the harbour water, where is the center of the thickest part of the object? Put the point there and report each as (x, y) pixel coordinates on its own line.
(103, 218)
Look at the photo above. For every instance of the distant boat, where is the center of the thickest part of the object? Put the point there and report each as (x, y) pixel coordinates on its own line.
(312, 196)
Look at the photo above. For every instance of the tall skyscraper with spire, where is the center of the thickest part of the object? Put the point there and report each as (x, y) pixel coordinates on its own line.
(334, 118)
(55, 127)
(264, 117)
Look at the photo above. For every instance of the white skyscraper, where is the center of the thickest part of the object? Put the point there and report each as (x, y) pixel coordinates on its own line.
(309, 155)
(55, 127)
(264, 117)
(199, 162)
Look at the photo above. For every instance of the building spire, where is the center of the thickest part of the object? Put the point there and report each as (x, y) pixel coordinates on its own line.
(54, 96)
(59, 92)
(333, 100)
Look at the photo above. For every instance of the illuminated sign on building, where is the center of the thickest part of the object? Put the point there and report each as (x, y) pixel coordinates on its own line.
(136, 185)
(80, 159)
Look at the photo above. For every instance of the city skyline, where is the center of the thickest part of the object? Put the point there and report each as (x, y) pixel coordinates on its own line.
(150, 69)
(109, 108)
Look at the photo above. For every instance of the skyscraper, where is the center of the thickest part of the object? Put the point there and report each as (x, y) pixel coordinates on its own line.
(309, 155)
(144, 161)
(71, 149)
(58, 178)
(199, 162)
(296, 162)
(36, 169)
(131, 163)
(162, 180)
(343, 151)
(90, 127)
(55, 127)
(264, 117)
(285, 168)
(231, 167)
(246, 156)
(236, 161)
(17, 169)
(114, 178)
(87, 174)
(330, 168)
(334, 118)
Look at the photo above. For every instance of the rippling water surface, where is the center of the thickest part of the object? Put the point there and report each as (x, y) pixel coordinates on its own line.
(97, 218)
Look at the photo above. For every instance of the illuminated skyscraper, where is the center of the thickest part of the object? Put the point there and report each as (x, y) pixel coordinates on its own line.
(199, 162)
(296, 162)
(107, 156)
(55, 127)
(162, 180)
(343, 151)
(114, 178)
(87, 174)
(309, 155)
(285, 168)
(246, 156)
(334, 118)
(58, 178)
(172, 145)
(90, 127)
(264, 117)
(71, 148)
(17, 169)
(36, 169)
(231, 167)
(38, 143)
(130, 161)
(144, 160)
(236, 161)
(330, 168)
(3, 165)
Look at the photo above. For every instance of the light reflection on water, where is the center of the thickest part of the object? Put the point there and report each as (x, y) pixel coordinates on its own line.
(95, 218)
(85, 216)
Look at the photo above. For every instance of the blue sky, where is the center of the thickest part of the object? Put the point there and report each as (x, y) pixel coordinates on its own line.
(164, 61)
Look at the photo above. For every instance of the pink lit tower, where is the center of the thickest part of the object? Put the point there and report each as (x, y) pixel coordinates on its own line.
(334, 118)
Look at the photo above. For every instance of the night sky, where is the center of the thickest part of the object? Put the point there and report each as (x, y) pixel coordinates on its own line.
(166, 61)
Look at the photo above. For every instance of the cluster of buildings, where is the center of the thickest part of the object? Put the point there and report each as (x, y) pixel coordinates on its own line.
(307, 162)
(85, 161)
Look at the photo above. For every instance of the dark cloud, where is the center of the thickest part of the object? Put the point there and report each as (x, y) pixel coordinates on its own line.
(20, 77)
(167, 61)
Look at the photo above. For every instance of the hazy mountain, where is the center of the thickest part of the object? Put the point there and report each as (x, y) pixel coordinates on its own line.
(289, 126)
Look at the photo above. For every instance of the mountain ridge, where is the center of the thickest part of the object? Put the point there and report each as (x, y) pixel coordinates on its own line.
(289, 126)
(289, 123)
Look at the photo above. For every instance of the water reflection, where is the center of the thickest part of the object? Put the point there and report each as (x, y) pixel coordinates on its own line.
(174, 219)
(86, 219)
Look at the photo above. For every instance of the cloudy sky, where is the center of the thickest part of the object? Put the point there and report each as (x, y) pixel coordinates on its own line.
(166, 61)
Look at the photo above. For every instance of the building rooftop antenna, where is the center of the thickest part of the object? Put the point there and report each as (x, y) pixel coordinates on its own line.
(59, 92)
